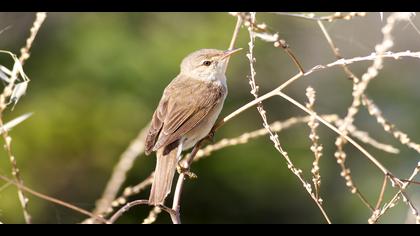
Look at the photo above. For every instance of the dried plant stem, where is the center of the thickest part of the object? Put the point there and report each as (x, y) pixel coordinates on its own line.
(185, 164)
(121, 200)
(326, 123)
(364, 137)
(381, 194)
(53, 200)
(7, 92)
(153, 214)
(277, 126)
(135, 149)
(394, 180)
(330, 18)
(374, 218)
(388, 126)
(316, 148)
(348, 121)
(273, 136)
(336, 52)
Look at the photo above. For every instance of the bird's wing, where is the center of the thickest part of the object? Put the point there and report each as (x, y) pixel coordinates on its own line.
(184, 104)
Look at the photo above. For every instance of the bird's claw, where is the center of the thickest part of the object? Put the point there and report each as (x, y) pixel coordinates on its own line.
(183, 170)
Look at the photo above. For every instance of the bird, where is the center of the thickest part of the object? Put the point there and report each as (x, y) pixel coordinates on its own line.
(186, 113)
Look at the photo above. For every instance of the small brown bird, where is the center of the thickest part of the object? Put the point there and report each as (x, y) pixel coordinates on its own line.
(187, 111)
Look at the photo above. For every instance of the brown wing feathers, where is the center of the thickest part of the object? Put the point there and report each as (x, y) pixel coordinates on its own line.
(179, 113)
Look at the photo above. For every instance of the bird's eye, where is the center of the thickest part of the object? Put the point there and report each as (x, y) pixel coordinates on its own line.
(207, 63)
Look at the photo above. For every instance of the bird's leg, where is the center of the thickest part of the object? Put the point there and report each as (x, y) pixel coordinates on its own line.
(184, 165)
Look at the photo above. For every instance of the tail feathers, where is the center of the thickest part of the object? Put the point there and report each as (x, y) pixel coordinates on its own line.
(164, 174)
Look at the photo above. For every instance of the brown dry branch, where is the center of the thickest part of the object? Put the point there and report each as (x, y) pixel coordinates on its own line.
(329, 18)
(358, 94)
(127, 158)
(388, 126)
(129, 205)
(8, 93)
(405, 140)
(364, 137)
(340, 155)
(316, 148)
(396, 182)
(244, 138)
(400, 194)
(273, 136)
(52, 199)
(153, 214)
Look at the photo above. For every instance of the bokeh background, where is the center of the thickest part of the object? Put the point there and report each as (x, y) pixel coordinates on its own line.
(97, 77)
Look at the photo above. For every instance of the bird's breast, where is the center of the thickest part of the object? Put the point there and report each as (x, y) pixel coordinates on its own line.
(203, 128)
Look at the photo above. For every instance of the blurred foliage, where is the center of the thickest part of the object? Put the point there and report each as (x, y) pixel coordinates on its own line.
(97, 77)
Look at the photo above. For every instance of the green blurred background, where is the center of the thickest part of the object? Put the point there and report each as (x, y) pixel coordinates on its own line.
(97, 77)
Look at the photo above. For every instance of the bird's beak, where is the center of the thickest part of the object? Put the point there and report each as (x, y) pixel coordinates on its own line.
(229, 53)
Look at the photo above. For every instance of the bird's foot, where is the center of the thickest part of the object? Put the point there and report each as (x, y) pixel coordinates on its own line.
(183, 169)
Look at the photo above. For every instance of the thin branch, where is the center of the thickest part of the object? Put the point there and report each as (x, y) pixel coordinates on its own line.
(326, 123)
(388, 126)
(381, 194)
(53, 200)
(316, 148)
(7, 92)
(340, 155)
(153, 214)
(335, 16)
(129, 205)
(135, 149)
(273, 136)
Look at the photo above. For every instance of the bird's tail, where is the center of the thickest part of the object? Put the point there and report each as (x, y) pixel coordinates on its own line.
(164, 174)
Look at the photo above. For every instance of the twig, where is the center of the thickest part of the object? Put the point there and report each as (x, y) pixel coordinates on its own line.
(277, 126)
(394, 181)
(262, 112)
(5, 186)
(381, 194)
(53, 200)
(7, 92)
(396, 197)
(135, 149)
(354, 143)
(312, 16)
(388, 126)
(364, 137)
(185, 165)
(340, 155)
(129, 205)
(316, 148)
(121, 200)
(151, 218)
